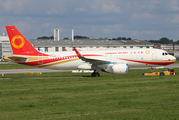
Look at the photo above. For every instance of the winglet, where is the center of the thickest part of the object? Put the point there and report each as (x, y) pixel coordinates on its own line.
(78, 53)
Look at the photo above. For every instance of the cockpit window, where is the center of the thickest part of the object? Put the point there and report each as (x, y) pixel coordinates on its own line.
(165, 53)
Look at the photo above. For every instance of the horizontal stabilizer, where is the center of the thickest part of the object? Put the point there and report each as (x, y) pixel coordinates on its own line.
(16, 58)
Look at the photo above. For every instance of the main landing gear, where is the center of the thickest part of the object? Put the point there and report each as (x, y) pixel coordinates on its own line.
(95, 74)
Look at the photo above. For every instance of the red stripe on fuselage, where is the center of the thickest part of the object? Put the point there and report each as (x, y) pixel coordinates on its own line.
(151, 62)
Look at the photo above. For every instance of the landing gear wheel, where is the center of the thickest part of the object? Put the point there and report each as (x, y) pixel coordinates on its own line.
(162, 74)
(95, 74)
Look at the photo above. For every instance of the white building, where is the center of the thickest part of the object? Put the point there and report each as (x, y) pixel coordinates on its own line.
(87, 44)
(5, 47)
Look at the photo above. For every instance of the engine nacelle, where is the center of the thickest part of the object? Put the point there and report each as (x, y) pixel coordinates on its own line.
(117, 68)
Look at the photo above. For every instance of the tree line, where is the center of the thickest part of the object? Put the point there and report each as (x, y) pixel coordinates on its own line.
(163, 40)
(75, 37)
(85, 37)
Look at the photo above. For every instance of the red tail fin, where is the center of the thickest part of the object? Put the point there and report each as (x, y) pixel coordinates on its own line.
(20, 45)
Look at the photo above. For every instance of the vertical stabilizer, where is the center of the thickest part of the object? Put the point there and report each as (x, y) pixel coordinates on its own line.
(20, 45)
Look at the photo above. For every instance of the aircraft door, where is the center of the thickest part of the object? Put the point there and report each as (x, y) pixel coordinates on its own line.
(40, 59)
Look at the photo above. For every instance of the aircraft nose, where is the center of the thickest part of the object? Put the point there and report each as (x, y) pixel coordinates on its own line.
(172, 58)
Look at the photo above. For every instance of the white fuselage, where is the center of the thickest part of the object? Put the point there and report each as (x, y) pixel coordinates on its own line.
(133, 57)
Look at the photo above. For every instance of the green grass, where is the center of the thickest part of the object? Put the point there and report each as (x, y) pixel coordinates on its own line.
(111, 96)
(15, 66)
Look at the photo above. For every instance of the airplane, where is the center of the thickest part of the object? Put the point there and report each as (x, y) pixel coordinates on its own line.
(111, 61)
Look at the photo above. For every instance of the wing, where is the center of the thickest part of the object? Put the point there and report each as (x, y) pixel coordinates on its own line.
(91, 60)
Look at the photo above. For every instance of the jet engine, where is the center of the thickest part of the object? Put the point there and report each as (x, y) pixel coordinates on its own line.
(117, 68)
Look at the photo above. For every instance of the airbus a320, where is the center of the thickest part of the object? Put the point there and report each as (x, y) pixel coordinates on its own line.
(111, 61)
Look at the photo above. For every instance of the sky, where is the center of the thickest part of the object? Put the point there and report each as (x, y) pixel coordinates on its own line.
(138, 19)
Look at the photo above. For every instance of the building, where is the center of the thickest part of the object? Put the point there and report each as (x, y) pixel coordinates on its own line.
(167, 47)
(5, 47)
(87, 44)
(80, 44)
